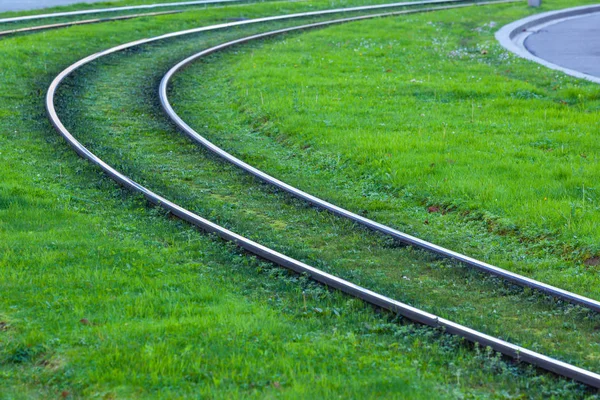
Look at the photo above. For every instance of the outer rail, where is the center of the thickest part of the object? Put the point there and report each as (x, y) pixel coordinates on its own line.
(514, 351)
(188, 3)
(84, 22)
(401, 236)
(113, 9)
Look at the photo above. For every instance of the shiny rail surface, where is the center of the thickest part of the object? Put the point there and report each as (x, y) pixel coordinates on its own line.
(412, 313)
(396, 234)
(306, 14)
(84, 22)
(226, 25)
(114, 9)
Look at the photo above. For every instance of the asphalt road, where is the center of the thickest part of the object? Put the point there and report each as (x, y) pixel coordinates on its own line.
(573, 44)
(19, 5)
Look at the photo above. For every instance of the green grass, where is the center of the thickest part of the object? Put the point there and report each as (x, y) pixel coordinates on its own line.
(234, 10)
(83, 6)
(442, 116)
(105, 297)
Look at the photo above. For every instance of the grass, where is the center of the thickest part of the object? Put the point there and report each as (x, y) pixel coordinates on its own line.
(82, 6)
(446, 119)
(234, 10)
(105, 297)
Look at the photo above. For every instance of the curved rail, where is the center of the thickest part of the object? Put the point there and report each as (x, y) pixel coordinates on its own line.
(396, 234)
(306, 14)
(517, 352)
(84, 22)
(113, 9)
(189, 3)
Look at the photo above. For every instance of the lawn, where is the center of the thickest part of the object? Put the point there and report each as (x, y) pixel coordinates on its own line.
(442, 116)
(104, 296)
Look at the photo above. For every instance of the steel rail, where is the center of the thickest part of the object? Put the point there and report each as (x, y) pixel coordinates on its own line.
(306, 14)
(38, 28)
(113, 9)
(85, 22)
(315, 201)
(412, 313)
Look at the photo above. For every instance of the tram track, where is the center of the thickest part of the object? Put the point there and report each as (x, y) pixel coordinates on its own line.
(38, 28)
(43, 27)
(114, 10)
(341, 212)
(412, 313)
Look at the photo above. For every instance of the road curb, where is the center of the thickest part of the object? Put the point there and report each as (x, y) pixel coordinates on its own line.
(512, 36)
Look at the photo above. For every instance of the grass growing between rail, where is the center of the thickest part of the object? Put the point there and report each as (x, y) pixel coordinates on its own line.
(86, 6)
(282, 6)
(432, 110)
(104, 297)
(421, 121)
(7, 26)
(151, 152)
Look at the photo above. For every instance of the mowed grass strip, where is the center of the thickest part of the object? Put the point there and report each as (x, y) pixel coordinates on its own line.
(283, 4)
(105, 297)
(7, 26)
(83, 6)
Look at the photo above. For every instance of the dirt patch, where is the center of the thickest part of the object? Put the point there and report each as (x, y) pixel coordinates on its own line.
(592, 261)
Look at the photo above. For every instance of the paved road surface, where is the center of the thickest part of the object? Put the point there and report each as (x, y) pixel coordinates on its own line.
(573, 44)
(17, 5)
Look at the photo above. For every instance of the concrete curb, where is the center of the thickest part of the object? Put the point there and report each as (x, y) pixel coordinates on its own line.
(512, 36)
